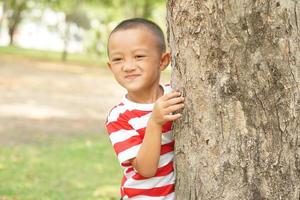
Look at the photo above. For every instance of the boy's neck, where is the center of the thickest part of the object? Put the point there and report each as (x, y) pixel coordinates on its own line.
(147, 96)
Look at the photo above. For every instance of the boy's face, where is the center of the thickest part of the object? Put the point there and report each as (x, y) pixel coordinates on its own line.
(135, 59)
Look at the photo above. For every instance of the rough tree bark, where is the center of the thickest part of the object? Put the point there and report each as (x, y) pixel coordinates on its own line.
(238, 64)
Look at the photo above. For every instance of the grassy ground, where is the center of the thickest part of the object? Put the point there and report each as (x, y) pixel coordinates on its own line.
(84, 59)
(61, 168)
(45, 156)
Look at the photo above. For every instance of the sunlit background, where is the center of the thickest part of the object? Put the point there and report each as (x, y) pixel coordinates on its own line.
(55, 92)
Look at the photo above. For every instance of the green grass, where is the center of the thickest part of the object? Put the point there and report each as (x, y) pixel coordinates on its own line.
(79, 168)
(72, 58)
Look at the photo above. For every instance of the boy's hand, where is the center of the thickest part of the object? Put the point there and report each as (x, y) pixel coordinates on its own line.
(165, 106)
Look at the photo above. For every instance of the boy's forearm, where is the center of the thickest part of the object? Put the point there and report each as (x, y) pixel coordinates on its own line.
(146, 162)
(147, 159)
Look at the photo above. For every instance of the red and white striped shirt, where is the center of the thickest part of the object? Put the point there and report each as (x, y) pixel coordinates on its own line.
(126, 125)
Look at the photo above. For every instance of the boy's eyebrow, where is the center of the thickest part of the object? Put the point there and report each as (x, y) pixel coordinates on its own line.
(139, 49)
(113, 53)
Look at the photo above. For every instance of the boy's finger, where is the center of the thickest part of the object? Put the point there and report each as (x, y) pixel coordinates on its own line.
(175, 100)
(175, 107)
(172, 117)
(170, 95)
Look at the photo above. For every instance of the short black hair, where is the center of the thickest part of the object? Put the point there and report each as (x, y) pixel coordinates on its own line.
(141, 22)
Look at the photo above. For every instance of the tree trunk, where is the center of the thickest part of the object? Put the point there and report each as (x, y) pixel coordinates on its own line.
(66, 39)
(15, 18)
(11, 32)
(238, 64)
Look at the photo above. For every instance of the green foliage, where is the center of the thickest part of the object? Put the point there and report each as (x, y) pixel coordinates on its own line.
(66, 5)
(79, 18)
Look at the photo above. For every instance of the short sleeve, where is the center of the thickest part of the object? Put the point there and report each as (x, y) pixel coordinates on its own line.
(125, 140)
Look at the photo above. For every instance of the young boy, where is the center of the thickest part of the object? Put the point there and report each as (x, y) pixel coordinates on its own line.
(140, 126)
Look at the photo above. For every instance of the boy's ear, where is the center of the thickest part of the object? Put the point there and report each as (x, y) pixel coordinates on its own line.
(164, 61)
(108, 65)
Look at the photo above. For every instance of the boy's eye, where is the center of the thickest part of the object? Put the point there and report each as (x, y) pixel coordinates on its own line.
(116, 59)
(140, 56)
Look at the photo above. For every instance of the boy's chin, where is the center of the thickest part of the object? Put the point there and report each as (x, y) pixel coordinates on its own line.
(137, 87)
(134, 88)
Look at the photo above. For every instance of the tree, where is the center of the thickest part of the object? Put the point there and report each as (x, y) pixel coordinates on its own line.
(74, 14)
(237, 63)
(12, 10)
(74, 17)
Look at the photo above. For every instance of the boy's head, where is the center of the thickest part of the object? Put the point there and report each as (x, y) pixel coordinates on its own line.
(137, 54)
(136, 23)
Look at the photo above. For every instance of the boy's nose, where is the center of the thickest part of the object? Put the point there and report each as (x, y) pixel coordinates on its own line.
(128, 66)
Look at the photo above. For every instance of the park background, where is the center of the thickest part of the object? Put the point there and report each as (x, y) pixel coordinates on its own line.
(55, 92)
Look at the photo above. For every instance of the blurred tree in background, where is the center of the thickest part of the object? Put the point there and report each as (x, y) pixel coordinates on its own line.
(12, 10)
(92, 19)
(73, 15)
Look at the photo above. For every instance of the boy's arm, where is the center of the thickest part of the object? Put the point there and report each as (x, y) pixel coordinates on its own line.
(147, 159)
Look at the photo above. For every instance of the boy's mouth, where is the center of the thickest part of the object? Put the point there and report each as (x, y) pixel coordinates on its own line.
(132, 76)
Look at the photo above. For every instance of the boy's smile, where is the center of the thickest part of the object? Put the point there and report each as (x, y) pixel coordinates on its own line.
(136, 62)
(132, 76)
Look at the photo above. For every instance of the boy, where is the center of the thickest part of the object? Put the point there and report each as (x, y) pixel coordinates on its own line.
(140, 126)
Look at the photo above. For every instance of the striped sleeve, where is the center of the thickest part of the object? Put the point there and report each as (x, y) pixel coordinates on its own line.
(125, 139)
